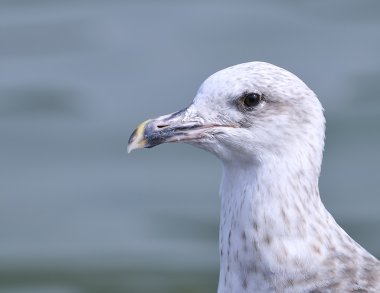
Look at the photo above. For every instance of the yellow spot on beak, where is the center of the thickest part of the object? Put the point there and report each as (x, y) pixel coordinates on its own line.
(137, 140)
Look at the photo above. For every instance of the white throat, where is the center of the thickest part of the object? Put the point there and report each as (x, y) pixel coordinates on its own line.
(271, 226)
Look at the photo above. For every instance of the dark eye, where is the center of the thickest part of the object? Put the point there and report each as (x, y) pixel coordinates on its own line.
(251, 99)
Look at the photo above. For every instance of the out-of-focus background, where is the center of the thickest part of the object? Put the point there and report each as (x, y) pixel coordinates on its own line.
(77, 214)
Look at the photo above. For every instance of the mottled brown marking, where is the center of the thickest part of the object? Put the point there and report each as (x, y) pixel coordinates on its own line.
(243, 236)
(268, 239)
(280, 258)
(316, 248)
(290, 283)
(255, 227)
(285, 218)
(237, 255)
(244, 283)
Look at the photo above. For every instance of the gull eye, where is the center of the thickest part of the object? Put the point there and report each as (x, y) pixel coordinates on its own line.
(251, 99)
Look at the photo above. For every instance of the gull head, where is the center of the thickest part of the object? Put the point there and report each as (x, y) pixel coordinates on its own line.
(247, 112)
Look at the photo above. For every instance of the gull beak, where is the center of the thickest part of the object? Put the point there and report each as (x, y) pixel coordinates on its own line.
(175, 127)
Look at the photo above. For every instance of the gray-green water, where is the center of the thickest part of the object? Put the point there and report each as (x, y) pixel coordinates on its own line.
(77, 214)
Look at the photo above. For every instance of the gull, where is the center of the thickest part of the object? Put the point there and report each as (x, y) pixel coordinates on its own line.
(268, 129)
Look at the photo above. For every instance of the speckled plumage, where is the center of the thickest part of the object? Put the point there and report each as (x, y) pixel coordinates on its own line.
(275, 233)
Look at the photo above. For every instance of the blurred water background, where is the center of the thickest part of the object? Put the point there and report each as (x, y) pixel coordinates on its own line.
(77, 214)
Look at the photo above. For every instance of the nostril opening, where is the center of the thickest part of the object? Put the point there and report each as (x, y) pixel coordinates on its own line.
(162, 125)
